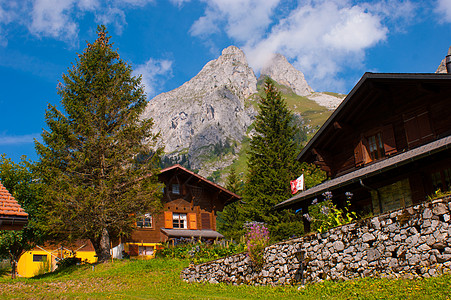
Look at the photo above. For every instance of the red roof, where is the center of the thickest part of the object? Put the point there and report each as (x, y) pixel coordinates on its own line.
(9, 205)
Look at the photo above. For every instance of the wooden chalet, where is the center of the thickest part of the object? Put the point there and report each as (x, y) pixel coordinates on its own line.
(190, 206)
(388, 143)
(12, 216)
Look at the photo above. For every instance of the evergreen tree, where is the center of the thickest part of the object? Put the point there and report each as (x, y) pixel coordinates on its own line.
(272, 164)
(97, 161)
(230, 220)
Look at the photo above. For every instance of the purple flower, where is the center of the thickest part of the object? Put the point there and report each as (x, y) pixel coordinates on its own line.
(315, 201)
(327, 195)
(307, 217)
(349, 195)
(325, 210)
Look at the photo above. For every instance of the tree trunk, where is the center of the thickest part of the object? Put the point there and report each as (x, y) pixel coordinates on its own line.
(102, 246)
(13, 267)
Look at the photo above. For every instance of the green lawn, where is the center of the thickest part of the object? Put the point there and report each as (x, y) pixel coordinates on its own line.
(159, 279)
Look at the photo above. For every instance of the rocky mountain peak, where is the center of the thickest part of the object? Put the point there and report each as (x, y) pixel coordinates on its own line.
(207, 113)
(280, 70)
(204, 122)
(442, 67)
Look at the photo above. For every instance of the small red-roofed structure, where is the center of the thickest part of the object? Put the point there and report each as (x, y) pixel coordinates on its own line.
(12, 216)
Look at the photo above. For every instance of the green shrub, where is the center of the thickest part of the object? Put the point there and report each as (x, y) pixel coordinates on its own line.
(67, 262)
(197, 251)
(325, 215)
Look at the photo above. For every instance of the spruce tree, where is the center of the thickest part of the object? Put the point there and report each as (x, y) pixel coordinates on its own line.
(230, 220)
(272, 164)
(97, 159)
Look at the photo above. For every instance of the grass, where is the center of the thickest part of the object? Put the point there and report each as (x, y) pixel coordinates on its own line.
(159, 279)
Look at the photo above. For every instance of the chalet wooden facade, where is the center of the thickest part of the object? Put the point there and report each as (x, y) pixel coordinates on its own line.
(388, 143)
(190, 204)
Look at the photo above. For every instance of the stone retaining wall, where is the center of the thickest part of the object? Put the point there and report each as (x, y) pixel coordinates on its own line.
(411, 242)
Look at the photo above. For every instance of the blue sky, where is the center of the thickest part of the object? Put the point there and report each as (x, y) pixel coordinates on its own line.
(332, 42)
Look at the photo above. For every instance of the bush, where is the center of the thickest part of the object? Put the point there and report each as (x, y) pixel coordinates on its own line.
(67, 262)
(197, 251)
(325, 215)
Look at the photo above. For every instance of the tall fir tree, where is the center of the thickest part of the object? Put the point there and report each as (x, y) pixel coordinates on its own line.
(272, 164)
(98, 161)
(230, 220)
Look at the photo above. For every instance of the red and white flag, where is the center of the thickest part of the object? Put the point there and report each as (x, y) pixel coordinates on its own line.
(297, 185)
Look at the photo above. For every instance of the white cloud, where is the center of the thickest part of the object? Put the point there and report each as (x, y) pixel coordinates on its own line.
(320, 37)
(9, 12)
(243, 19)
(154, 72)
(444, 8)
(59, 19)
(179, 3)
(53, 18)
(7, 140)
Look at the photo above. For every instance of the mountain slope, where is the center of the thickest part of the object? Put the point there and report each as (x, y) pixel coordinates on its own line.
(206, 123)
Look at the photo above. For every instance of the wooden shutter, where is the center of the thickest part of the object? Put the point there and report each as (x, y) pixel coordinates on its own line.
(388, 138)
(361, 153)
(424, 127)
(418, 128)
(133, 250)
(412, 133)
(192, 220)
(205, 220)
(168, 219)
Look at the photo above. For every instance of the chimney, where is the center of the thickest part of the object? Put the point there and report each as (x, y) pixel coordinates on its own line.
(448, 61)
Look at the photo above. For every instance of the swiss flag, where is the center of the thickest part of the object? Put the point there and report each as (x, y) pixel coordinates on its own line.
(297, 185)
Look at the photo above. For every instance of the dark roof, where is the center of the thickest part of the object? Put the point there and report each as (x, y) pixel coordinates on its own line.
(371, 170)
(232, 196)
(358, 92)
(189, 233)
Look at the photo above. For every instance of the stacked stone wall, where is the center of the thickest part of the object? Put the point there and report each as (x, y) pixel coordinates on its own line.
(412, 242)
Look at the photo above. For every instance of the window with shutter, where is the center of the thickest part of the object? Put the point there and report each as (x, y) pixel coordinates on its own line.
(375, 146)
(179, 221)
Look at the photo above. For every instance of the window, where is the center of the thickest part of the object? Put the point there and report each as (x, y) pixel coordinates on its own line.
(441, 180)
(144, 221)
(39, 257)
(375, 146)
(179, 221)
(176, 188)
(392, 196)
(145, 250)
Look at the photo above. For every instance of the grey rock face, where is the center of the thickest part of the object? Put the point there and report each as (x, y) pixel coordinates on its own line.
(442, 67)
(280, 70)
(214, 108)
(207, 110)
